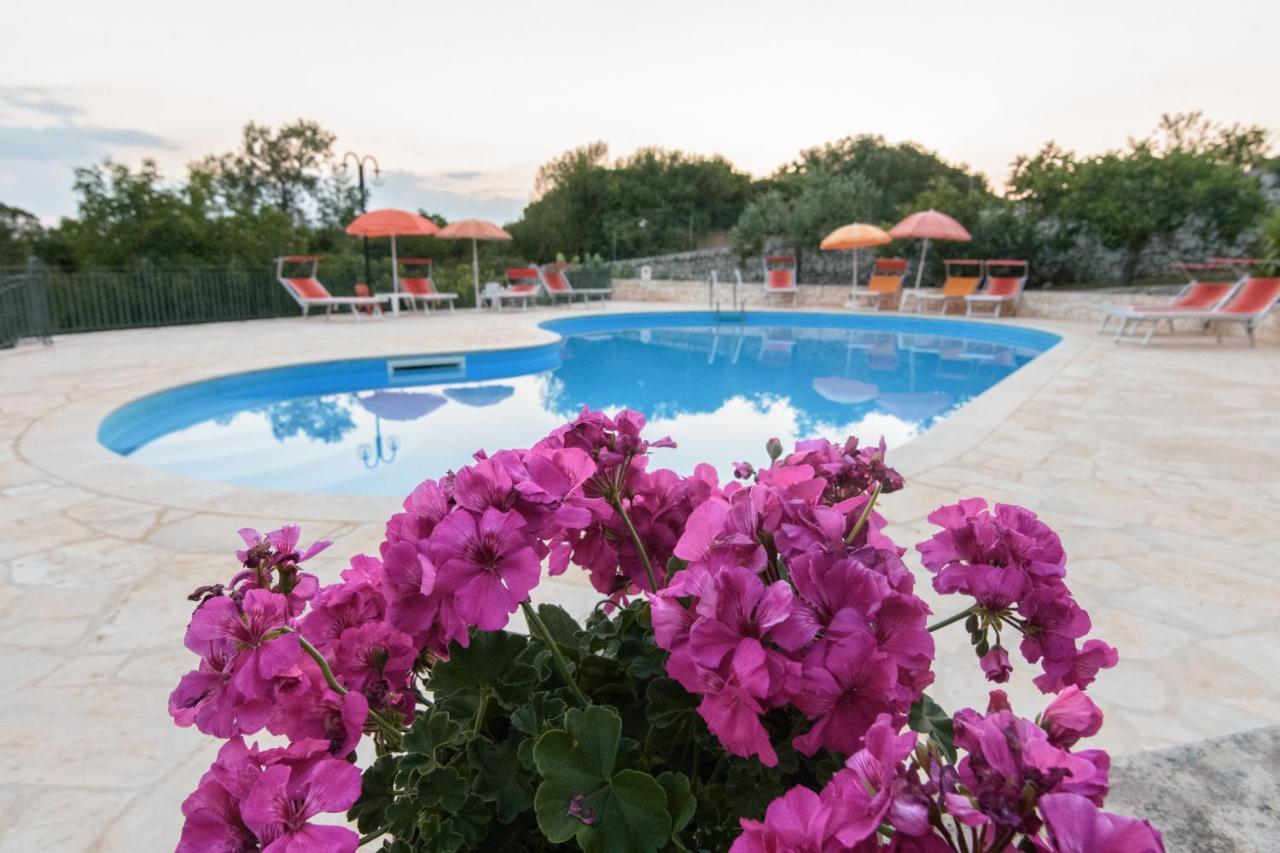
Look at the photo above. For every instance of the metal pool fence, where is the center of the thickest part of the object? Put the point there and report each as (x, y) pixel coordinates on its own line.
(37, 302)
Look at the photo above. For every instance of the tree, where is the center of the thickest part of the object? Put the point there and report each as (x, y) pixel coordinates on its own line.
(292, 170)
(655, 200)
(19, 233)
(1191, 176)
(900, 172)
(803, 209)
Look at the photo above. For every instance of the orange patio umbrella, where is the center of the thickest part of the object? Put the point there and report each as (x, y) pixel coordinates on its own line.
(852, 237)
(474, 230)
(392, 223)
(929, 225)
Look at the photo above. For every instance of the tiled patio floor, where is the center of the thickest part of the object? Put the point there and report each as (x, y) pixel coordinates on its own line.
(1159, 467)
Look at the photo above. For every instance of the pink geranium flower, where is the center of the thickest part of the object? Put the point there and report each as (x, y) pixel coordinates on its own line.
(282, 803)
(374, 658)
(861, 796)
(796, 822)
(1075, 825)
(732, 705)
(205, 698)
(844, 693)
(212, 811)
(257, 631)
(310, 710)
(357, 600)
(487, 563)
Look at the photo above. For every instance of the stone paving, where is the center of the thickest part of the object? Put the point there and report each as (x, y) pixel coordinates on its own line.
(1159, 467)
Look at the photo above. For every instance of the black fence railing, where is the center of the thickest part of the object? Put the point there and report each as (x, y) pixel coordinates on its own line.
(37, 302)
(24, 308)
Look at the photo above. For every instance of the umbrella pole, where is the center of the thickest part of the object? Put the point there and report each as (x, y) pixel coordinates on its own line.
(395, 268)
(924, 251)
(475, 270)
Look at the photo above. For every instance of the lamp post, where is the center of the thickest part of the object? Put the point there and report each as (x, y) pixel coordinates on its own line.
(360, 160)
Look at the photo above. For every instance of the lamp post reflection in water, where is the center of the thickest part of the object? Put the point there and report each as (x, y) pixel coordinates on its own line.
(394, 406)
(378, 453)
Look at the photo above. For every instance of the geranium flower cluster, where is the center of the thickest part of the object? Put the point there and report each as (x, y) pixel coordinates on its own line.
(778, 590)
(1012, 566)
(252, 799)
(793, 595)
(1019, 779)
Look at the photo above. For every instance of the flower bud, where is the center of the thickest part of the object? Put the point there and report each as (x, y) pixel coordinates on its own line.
(774, 448)
(1071, 715)
(995, 663)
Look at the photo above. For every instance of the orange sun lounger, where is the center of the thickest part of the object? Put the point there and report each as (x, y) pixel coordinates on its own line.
(523, 285)
(309, 293)
(780, 277)
(421, 288)
(1001, 291)
(884, 287)
(1200, 293)
(955, 287)
(555, 281)
(1252, 301)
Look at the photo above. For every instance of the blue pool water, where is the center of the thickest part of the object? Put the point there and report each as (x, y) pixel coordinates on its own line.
(721, 389)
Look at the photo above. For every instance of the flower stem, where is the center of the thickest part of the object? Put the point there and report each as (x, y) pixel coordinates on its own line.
(537, 626)
(372, 836)
(391, 729)
(866, 514)
(481, 712)
(635, 537)
(963, 614)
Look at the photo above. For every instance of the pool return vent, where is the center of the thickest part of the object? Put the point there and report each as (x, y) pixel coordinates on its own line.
(426, 368)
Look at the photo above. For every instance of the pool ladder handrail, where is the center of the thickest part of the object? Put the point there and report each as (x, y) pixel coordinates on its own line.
(738, 309)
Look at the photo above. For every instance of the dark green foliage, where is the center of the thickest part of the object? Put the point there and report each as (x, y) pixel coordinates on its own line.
(504, 758)
(19, 234)
(654, 201)
(1191, 175)
(928, 718)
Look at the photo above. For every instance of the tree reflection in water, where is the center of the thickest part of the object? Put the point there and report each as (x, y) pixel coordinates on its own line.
(326, 419)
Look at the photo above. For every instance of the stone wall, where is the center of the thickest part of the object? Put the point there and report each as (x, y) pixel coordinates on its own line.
(1081, 305)
(1083, 261)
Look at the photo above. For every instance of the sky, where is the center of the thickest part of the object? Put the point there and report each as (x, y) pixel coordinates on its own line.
(461, 102)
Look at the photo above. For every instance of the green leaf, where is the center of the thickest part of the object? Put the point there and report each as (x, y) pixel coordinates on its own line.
(632, 818)
(431, 731)
(667, 703)
(750, 787)
(499, 777)
(584, 753)
(489, 666)
(377, 793)
(442, 787)
(564, 630)
(541, 712)
(680, 801)
(928, 718)
(581, 796)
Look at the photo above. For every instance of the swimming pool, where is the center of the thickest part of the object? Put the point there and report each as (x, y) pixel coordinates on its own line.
(382, 425)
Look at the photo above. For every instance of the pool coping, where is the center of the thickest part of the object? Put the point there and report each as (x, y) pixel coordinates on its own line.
(64, 441)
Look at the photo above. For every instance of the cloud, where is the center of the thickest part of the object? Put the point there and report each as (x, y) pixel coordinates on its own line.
(32, 99)
(77, 144)
(42, 140)
(412, 191)
(462, 176)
